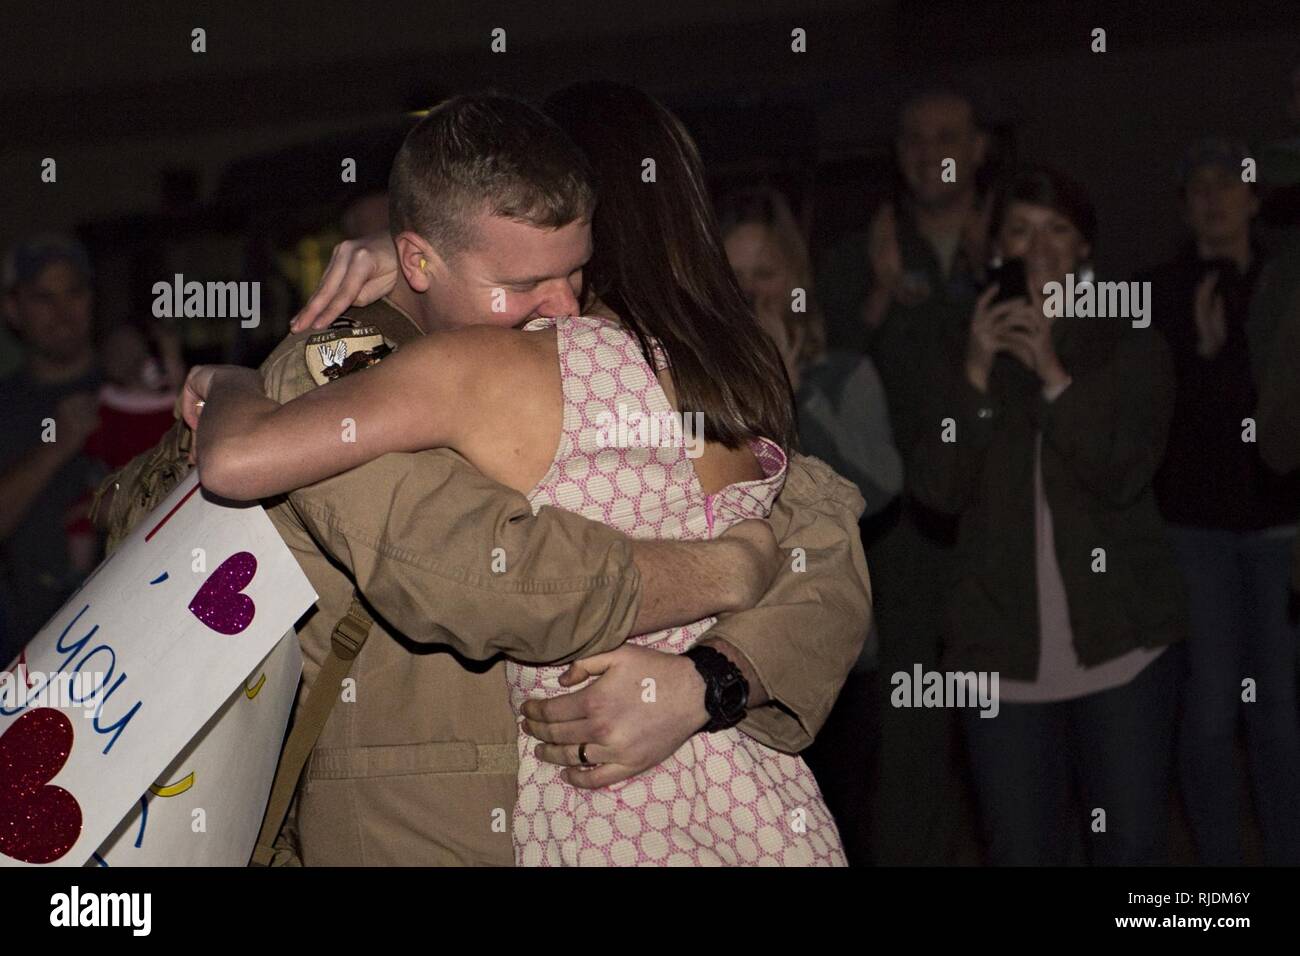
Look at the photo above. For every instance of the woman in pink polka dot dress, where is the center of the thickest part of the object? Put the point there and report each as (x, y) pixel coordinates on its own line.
(722, 798)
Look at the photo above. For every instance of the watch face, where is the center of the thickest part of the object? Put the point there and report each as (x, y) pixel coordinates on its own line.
(731, 697)
(726, 693)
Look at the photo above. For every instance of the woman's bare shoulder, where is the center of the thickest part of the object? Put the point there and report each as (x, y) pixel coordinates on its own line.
(488, 367)
(479, 348)
(505, 385)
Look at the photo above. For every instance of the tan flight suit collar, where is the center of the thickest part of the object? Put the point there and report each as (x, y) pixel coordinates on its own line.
(408, 329)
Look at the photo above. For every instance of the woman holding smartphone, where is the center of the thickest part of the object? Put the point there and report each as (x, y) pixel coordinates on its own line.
(1044, 438)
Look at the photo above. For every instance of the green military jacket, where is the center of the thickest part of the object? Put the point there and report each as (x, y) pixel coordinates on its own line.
(1102, 440)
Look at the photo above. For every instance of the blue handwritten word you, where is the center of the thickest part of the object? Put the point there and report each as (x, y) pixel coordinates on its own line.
(105, 666)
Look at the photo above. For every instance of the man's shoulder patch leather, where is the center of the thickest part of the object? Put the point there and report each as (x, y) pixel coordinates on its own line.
(343, 348)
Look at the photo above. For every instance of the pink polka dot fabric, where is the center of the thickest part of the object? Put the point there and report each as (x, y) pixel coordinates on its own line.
(722, 799)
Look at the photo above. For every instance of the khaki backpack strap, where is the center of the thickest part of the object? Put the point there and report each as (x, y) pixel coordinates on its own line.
(350, 634)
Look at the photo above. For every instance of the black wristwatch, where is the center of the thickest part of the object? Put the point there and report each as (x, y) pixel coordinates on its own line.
(726, 692)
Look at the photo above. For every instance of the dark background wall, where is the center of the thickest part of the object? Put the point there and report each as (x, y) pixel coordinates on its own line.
(117, 97)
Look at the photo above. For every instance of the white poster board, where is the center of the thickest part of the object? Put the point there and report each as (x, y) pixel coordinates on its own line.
(131, 669)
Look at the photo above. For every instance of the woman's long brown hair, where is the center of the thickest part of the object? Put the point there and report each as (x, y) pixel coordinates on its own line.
(659, 263)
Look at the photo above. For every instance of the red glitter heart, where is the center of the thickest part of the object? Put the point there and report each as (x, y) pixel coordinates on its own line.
(38, 823)
(218, 603)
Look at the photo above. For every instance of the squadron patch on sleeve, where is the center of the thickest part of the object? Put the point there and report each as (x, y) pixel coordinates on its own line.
(344, 348)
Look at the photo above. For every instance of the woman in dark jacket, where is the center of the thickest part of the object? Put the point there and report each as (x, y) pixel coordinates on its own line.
(1044, 438)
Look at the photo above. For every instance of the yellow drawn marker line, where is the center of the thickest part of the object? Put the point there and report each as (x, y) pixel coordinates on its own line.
(173, 789)
(251, 692)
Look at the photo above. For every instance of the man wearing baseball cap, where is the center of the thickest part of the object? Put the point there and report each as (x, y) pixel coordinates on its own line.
(48, 408)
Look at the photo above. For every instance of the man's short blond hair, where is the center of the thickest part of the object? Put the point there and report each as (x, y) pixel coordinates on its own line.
(490, 154)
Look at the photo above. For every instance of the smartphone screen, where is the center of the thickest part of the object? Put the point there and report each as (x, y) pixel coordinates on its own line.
(1011, 281)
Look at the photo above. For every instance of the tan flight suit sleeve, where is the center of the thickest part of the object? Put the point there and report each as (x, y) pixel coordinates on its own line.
(448, 556)
(804, 636)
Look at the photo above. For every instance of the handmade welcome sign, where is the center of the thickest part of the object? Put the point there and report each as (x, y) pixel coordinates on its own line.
(133, 667)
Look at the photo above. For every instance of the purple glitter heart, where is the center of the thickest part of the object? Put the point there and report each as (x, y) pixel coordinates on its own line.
(218, 604)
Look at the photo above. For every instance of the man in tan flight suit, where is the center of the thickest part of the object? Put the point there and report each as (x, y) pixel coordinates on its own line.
(416, 764)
